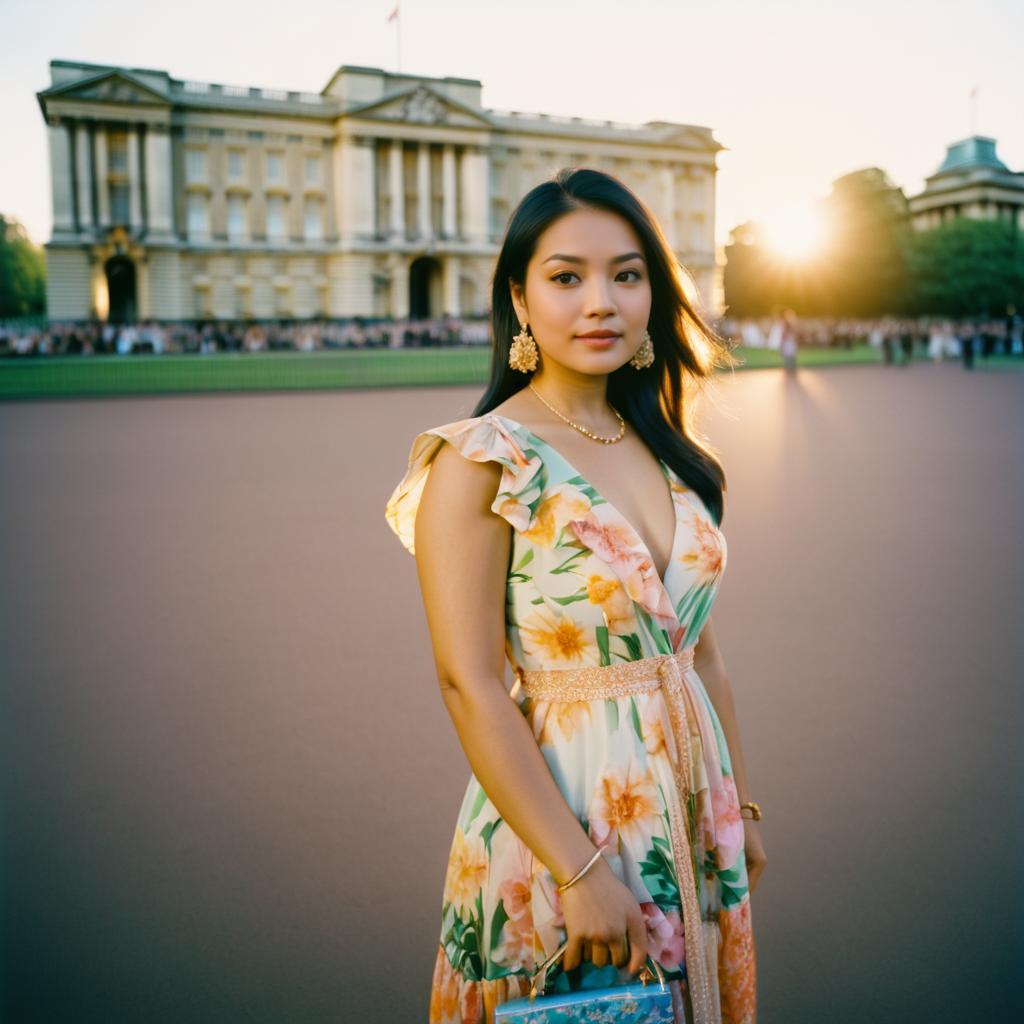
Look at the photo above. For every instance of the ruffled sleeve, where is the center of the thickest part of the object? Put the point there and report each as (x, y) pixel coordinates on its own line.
(481, 439)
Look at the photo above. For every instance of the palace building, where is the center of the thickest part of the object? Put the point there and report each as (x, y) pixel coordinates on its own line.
(972, 183)
(383, 195)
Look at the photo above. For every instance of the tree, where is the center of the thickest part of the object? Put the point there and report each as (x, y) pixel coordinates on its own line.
(867, 229)
(22, 272)
(967, 268)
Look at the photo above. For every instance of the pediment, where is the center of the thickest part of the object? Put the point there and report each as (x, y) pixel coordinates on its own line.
(422, 105)
(107, 87)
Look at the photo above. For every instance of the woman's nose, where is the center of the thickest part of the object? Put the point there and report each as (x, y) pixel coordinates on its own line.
(599, 297)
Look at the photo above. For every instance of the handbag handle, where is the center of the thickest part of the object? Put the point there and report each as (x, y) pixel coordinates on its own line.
(542, 972)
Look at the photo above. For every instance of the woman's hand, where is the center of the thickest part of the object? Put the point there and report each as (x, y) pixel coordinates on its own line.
(603, 922)
(755, 855)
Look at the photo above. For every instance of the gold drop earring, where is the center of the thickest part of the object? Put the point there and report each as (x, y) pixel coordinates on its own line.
(644, 355)
(522, 355)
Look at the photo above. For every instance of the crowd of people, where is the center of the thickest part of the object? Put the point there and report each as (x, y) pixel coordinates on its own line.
(151, 337)
(898, 339)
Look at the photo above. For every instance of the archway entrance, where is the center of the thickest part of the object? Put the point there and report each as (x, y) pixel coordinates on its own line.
(424, 288)
(121, 289)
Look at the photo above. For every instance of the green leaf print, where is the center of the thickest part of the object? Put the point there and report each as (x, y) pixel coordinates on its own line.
(524, 561)
(601, 633)
(659, 873)
(634, 717)
(488, 830)
(478, 802)
(462, 947)
(570, 563)
(497, 923)
(571, 599)
(634, 648)
(734, 882)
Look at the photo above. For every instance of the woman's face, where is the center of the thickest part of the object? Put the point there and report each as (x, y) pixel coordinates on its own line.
(588, 274)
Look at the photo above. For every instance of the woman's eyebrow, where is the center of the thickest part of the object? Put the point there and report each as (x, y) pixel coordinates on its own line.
(576, 259)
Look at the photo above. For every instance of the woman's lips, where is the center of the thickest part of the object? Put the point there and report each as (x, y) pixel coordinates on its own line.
(599, 343)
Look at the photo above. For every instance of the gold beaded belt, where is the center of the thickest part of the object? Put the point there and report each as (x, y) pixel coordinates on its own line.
(665, 672)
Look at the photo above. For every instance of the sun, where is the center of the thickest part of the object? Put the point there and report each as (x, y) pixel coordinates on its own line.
(795, 231)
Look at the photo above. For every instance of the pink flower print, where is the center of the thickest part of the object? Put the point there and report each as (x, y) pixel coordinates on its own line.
(665, 941)
(705, 559)
(729, 835)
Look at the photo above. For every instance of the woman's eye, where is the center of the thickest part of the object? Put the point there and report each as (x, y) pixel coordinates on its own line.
(564, 273)
(635, 272)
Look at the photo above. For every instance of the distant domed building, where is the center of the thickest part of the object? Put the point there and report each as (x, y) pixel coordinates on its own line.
(972, 182)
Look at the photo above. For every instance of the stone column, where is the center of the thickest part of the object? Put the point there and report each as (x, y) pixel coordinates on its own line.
(423, 190)
(355, 186)
(60, 176)
(102, 187)
(451, 286)
(668, 203)
(448, 186)
(83, 161)
(473, 193)
(397, 191)
(399, 287)
(134, 181)
(158, 181)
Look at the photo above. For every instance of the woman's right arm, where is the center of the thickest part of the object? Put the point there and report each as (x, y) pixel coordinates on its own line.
(462, 553)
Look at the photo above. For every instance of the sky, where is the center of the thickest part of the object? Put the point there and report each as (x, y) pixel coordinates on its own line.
(800, 91)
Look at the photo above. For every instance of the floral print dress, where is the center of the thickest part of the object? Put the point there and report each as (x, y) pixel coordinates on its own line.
(582, 590)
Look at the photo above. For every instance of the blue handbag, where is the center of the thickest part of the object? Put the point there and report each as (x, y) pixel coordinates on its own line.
(620, 1004)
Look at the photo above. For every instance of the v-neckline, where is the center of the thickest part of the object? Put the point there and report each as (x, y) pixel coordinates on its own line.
(641, 544)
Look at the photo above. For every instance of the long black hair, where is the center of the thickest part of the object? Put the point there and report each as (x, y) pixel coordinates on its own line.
(658, 401)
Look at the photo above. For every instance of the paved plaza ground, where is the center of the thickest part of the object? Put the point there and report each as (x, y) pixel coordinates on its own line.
(231, 783)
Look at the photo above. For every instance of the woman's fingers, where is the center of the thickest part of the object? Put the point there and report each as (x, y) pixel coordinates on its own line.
(637, 935)
(620, 951)
(599, 954)
(571, 956)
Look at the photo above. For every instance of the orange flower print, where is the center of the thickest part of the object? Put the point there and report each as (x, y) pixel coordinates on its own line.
(562, 503)
(656, 728)
(467, 870)
(737, 966)
(615, 604)
(552, 719)
(471, 1003)
(444, 994)
(705, 559)
(624, 805)
(557, 640)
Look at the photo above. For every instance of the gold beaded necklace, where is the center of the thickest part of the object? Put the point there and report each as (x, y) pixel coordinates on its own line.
(580, 427)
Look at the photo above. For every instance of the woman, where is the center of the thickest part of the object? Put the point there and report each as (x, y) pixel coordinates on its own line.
(571, 524)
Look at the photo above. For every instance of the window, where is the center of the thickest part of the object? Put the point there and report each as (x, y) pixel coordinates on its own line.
(195, 165)
(275, 168)
(198, 216)
(236, 164)
(275, 217)
(117, 153)
(238, 227)
(312, 170)
(119, 199)
(314, 220)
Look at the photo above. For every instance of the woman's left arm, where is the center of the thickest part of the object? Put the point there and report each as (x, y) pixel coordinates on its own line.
(708, 662)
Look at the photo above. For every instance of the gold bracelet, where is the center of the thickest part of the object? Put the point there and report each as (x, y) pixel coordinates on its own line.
(582, 871)
(755, 811)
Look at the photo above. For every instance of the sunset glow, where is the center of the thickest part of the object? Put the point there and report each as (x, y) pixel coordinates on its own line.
(795, 231)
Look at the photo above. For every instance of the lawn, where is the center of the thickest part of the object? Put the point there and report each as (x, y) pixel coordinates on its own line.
(54, 376)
